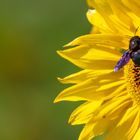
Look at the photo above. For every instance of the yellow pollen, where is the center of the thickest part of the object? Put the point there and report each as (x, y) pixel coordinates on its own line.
(132, 75)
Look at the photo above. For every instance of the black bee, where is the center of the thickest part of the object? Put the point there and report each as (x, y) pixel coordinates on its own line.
(133, 53)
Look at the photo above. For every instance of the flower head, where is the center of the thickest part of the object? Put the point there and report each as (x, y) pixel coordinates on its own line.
(112, 99)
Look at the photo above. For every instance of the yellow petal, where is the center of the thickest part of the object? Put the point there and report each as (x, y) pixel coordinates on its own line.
(95, 30)
(90, 3)
(113, 108)
(124, 129)
(133, 5)
(110, 85)
(122, 14)
(129, 113)
(120, 109)
(85, 63)
(98, 22)
(94, 51)
(106, 11)
(87, 90)
(102, 122)
(84, 112)
(92, 129)
(137, 135)
(96, 54)
(99, 41)
(134, 127)
(91, 74)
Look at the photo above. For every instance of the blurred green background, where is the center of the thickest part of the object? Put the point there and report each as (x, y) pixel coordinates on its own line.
(30, 33)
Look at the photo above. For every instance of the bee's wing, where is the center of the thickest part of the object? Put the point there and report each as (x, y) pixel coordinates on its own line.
(123, 61)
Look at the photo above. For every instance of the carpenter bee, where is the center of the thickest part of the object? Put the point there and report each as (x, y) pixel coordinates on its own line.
(132, 53)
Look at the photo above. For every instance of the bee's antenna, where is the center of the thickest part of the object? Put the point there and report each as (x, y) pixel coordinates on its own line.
(136, 30)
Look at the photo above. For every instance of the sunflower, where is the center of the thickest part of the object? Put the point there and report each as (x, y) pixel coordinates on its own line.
(111, 99)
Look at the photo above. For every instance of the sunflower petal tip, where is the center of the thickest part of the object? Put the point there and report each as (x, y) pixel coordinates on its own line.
(71, 120)
(59, 79)
(57, 99)
(60, 52)
(91, 11)
(62, 80)
(68, 45)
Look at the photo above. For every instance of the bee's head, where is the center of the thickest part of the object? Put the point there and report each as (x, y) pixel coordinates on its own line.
(134, 43)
